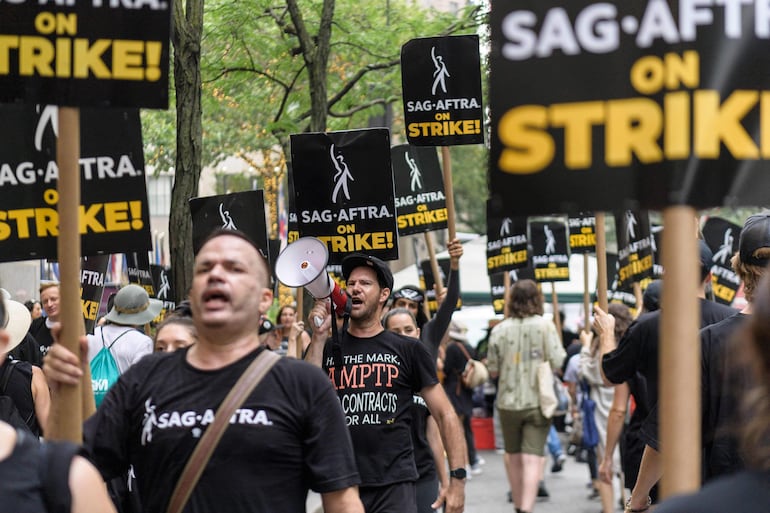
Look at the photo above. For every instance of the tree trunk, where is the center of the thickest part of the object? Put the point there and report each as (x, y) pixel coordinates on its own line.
(186, 38)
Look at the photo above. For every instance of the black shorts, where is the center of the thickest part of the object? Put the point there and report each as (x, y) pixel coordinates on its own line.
(395, 498)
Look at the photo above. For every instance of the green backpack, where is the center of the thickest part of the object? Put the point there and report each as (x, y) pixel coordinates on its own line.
(104, 370)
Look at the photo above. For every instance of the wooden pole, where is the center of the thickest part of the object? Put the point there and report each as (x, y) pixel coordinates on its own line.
(586, 295)
(506, 293)
(66, 417)
(638, 296)
(446, 162)
(434, 265)
(601, 262)
(555, 305)
(680, 380)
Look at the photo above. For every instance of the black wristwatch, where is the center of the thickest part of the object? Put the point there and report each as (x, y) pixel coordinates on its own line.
(458, 473)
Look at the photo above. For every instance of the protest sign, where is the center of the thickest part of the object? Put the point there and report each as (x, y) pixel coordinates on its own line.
(635, 258)
(93, 270)
(582, 234)
(550, 249)
(611, 105)
(506, 244)
(428, 282)
(164, 287)
(114, 215)
(419, 188)
(243, 211)
(138, 271)
(441, 82)
(722, 237)
(343, 186)
(497, 282)
(79, 54)
(292, 230)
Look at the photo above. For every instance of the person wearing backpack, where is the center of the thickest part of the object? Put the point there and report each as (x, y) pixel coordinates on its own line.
(119, 342)
(24, 393)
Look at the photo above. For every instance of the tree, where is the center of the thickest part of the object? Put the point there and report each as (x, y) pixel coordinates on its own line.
(269, 69)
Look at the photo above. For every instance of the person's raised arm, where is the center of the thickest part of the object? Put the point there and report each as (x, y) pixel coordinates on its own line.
(604, 325)
(440, 322)
(321, 321)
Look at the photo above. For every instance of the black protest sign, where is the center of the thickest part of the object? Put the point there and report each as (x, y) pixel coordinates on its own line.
(243, 211)
(657, 254)
(722, 237)
(292, 229)
(616, 294)
(441, 81)
(93, 270)
(343, 185)
(428, 282)
(138, 270)
(113, 214)
(419, 187)
(85, 54)
(606, 105)
(582, 234)
(506, 244)
(635, 259)
(550, 250)
(164, 288)
(497, 282)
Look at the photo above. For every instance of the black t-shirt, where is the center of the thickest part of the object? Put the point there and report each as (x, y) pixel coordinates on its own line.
(28, 351)
(375, 386)
(454, 365)
(19, 389)
(638, 348)
(288, 436)
(42, 334)
(745, 492)
(721, 398)
(423, 454)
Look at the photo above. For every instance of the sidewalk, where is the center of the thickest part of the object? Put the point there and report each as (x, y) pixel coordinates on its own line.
(486, 492)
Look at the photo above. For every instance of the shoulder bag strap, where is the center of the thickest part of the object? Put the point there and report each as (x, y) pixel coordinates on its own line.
(465, 351)
(208, 442)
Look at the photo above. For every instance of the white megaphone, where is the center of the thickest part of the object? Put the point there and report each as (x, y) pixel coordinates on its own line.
(303, 264)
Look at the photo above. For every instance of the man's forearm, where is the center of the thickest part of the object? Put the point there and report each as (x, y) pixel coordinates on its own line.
(454, 438)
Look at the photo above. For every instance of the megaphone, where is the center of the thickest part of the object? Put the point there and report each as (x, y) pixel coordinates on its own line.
(303, 264)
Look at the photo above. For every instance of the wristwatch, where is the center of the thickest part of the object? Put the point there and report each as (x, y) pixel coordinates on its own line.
(458, 473)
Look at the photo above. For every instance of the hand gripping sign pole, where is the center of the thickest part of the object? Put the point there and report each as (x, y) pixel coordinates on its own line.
(679, 355)
(68, 404)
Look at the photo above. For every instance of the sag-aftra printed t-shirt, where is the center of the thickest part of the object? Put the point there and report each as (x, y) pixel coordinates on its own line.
(289, 435)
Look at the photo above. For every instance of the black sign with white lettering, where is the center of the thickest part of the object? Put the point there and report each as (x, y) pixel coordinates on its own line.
(243, 211)
(550, 250)
(497, 282)
(92, 275)
(114, 216)
(722, 237)
(138, 269)
(343, 185)
(419, 185)
(506, 244)
(582, 234)
(292, 230)
(607, 105)
(441, 81)
(164, 288)
(635, 258)
(428, 282)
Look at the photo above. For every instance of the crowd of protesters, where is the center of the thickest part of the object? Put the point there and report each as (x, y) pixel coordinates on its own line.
(333, 415)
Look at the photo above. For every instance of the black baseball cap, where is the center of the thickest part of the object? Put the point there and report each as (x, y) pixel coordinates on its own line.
(706, 259)
(755, 235)
(410, 292)
(384, 276)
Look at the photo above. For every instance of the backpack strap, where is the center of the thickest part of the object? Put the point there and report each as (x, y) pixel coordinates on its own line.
(109, 347)
(54, 470)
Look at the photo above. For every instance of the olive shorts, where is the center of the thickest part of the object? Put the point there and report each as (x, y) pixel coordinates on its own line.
(524, 431)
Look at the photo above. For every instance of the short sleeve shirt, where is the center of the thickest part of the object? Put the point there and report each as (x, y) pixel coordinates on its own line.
(375, 384)
(516, 347)
(287, 437)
